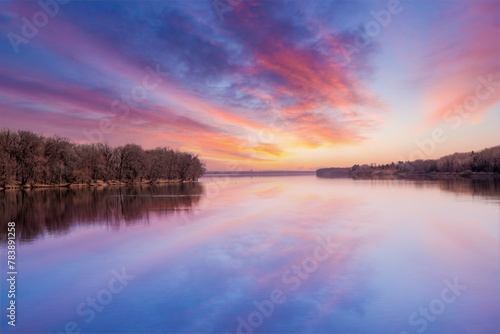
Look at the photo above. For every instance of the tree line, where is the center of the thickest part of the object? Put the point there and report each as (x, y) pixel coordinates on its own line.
(29, 159)
(485, 161)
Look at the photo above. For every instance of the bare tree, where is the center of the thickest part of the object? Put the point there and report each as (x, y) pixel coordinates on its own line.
(28, 158)
(196, 169)
(7, 161)
(61, 158)
(91, 161)
(130, 159)
(28, 152)
(184, 161)
(109, 162)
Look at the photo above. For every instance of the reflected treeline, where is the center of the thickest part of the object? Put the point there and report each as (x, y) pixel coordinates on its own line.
(41, 211)
(488, 188)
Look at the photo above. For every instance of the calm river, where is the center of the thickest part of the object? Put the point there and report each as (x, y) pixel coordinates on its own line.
(294, 254)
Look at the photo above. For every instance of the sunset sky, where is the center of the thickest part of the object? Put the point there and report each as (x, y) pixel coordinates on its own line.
(294, 85)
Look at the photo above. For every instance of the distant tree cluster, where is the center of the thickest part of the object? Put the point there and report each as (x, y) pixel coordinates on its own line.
(486, 161)
(28, 159)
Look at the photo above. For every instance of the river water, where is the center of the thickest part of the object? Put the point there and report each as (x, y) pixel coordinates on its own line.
(296, 254)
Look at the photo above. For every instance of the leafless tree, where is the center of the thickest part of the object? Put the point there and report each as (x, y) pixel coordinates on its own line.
(108, 171)
(28, 158)
(7, 161)
(130, 160)
(61, 158)
(485, 161)
(28, 153)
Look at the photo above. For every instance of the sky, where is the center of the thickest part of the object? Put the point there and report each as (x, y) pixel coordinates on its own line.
(262, 85)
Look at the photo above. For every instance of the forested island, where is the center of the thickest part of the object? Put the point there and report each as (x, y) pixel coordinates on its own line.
(485, 163)
(31, 160)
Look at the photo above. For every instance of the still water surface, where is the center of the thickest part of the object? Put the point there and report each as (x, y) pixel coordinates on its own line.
(271, 254)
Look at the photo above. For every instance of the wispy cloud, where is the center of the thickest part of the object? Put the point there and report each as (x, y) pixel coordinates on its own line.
(460, 52)
(267, 62)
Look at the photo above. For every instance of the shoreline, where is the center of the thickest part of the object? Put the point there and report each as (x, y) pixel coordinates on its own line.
(98, 184)
(431, 175)
(395, 175)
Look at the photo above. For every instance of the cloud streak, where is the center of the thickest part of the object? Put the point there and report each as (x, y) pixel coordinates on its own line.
(458, 56)
(269, 66)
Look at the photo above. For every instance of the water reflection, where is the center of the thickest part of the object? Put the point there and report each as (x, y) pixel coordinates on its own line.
(392, 244)
(51, 211)
(41, 211)
(488, 187)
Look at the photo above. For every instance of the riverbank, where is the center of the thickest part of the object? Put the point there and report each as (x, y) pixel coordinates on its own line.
(484, 164)
(99, 183)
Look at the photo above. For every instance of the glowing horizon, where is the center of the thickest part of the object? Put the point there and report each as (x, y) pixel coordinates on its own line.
(266, 85)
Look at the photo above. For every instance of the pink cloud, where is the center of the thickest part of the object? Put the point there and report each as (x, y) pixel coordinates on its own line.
(458, 56)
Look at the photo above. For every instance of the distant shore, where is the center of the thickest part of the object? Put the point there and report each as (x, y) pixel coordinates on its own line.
(484, 164)
(258, 173)
(395, 174)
